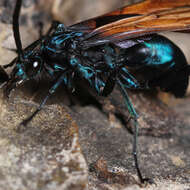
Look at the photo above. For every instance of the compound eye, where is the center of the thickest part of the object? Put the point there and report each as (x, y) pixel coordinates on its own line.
(35, 64)
(33, 68)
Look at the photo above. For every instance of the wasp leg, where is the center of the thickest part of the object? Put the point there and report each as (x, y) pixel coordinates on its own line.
(54, 25)
(40, 26)
(50, 92)
(134, 116)
(109, 85)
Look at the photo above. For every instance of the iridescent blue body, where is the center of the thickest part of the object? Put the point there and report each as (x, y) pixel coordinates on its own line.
(140, 63)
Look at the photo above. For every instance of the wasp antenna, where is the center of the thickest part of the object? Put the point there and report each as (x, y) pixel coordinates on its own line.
(188, 69)
(16, 31)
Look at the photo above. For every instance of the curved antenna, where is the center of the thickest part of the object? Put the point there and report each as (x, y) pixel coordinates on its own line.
(16, 31)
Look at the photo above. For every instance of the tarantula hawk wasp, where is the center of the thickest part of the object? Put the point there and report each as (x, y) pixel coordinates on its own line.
(120, 48)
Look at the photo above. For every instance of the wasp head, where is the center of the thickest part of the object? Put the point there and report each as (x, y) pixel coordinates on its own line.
(28, 64)
(27, 67)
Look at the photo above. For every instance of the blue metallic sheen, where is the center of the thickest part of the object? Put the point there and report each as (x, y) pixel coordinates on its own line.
(161, 53)
(145, 63)
(58, 67)
(86, 72)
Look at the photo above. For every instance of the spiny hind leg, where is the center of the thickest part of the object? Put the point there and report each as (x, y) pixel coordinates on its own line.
(134, 116)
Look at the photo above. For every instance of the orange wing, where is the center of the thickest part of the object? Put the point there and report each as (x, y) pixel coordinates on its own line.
(150, 16)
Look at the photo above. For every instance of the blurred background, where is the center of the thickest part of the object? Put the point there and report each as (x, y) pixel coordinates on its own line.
(34, 12)
(66, 11)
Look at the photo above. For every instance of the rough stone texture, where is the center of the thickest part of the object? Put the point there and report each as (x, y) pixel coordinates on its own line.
(163, 144)
(47, 153)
